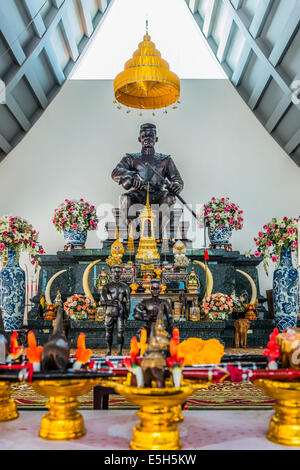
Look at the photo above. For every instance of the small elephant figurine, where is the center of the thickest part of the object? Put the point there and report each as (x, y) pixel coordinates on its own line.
(241, 327)
(154, 373)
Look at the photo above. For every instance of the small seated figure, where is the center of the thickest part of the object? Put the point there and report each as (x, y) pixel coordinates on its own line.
(147, 310)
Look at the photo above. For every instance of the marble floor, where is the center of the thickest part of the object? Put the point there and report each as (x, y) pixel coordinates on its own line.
(108, 430)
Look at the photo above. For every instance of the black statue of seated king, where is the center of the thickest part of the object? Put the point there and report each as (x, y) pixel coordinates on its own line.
(134, 175)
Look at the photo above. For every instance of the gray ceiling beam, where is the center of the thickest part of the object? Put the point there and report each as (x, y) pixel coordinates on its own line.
(260, 16)
(194, 5)
(4, 145)
(286, 36)
(8, 32)
(69, 37)
(259, 89)
(243, 62)
(256, 47)
(282, 107)
(58, 3)
(278, 113)
(43, 42)
(17, 112)
(53, 60)
(255, 28)
(36, 87)
(102, 5)
(237, 3)
(210, 17)
(225, 39)
(86, 17)
(36, 18)
(293, 142)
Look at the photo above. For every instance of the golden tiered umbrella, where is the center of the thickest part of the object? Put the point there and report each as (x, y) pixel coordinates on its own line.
(146, 81)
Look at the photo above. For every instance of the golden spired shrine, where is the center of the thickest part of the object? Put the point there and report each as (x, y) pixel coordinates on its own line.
(153, 313)
(147, 244)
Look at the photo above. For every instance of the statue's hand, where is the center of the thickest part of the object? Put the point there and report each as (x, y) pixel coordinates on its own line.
(175, 188)
(127, 182)
(137, 182)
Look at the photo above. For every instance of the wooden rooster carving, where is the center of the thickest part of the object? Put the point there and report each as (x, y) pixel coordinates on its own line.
(55, 355)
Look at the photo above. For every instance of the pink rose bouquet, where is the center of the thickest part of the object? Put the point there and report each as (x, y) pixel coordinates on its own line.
(275, 235)
(76, 215)
(17, 234)
(222, 213)
(218, 306)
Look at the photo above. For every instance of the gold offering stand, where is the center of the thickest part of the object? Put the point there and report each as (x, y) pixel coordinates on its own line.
(8, 407)
(285, 424)
(160, 411)
(63, 422)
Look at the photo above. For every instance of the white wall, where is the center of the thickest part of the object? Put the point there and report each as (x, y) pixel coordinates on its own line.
(219, 147)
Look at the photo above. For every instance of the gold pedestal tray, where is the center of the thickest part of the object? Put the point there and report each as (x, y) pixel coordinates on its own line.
(160, 410)
(63, 422)
(285, 424)
(8, 407)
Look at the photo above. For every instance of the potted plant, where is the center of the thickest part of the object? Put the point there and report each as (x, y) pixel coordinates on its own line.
(79, 307)
(75, 218)
(221, 216)
(277, 240)
(16, 235)
(217, 306)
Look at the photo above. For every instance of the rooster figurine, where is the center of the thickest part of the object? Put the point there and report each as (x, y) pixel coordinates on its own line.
(33, 352)
(82, 354)
(15, 351)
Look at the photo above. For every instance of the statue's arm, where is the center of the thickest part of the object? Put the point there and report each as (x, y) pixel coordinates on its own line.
(139, 311)
(105, 297)
(124, 171)
(169, 315)
(173, 176)
(128, 301)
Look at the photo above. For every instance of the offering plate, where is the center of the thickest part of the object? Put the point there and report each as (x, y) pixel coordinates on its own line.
(160, 410)
(63, 422)
(285, 424)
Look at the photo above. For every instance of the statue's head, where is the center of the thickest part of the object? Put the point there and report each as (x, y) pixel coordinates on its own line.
(147, 135)
(116, 272)
(155, 287)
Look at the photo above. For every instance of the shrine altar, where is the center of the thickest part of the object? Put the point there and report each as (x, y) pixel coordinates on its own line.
(222, 264)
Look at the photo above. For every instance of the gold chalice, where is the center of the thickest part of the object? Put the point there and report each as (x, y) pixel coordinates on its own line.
(8, 407)
(63, 422)
(285, 424)
(160, 410)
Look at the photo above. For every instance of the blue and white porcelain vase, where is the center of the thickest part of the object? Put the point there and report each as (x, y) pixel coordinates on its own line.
(219, 235)
(285, 291)
(12, 293)
(75, 237)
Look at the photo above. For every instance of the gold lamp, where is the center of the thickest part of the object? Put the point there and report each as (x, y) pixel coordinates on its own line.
(146, 81)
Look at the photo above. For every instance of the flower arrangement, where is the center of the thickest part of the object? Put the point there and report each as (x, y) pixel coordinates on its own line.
(218, 306)
(79, 307)
(275, 235)
(222, 213)
(76, 215)
(17, 234)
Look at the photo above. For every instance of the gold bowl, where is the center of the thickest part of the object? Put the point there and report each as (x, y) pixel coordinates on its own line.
(8, 407)
(285, 424)
(63, 422)
(160, 410)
